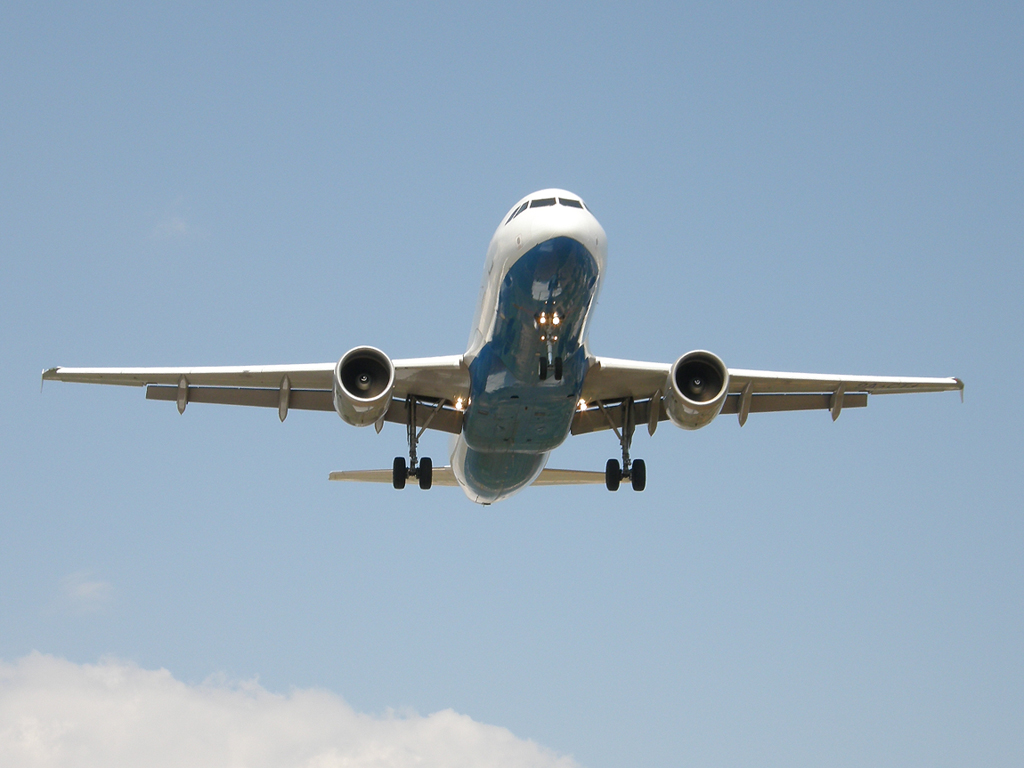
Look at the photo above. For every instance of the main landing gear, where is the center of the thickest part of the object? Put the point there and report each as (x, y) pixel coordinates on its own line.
(423, 469)
(634, 470)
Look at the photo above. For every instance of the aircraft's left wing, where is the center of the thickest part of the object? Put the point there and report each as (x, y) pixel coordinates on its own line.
(304, 387)
(610, 382)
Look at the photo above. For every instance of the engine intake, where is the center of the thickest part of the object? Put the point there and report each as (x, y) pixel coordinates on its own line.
(363, 381)
(697, 386)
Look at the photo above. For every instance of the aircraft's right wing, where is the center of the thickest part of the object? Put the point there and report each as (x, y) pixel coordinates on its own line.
(609, 382)
(284, 387)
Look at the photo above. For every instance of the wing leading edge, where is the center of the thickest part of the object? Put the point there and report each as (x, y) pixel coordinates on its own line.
(611, 382)
(301, 387)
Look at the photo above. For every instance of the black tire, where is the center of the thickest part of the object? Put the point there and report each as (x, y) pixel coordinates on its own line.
(399, 473)
(638, 474)
(426, 473)
(612, 475)
(558, 369)
(543, 369)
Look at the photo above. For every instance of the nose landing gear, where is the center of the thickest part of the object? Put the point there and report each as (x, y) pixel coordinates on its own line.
(545, 366)
(548, 322)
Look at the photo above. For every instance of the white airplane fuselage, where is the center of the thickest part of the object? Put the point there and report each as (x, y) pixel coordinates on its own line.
(521, 381)
(527, 357)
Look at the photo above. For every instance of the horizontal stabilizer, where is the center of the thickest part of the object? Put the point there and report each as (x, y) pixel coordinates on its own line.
(439, 476)
(445, 476)
(569, 477)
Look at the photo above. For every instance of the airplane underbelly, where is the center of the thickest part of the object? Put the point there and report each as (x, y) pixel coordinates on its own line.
(489, 476)
(527, 377)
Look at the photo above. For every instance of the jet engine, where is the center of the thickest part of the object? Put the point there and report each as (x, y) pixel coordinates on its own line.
(696, 389)
(363, 381)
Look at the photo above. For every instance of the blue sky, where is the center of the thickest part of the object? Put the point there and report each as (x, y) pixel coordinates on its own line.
(832, 189)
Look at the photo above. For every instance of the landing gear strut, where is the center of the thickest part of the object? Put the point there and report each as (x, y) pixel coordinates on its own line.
(422, 469)
(634, 470)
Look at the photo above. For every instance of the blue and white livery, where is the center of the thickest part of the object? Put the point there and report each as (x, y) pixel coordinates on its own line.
(527, 379)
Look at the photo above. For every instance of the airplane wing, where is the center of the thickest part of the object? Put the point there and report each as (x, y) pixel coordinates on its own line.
(303, 387)
(610, 382)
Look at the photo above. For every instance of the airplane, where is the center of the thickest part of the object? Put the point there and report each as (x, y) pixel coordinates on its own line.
(527, 379)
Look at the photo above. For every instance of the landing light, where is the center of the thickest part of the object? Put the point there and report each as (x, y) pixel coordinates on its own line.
(459, 404)
(582, 404)
(555, 319)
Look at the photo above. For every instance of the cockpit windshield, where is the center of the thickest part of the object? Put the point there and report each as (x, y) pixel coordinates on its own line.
(544, 202)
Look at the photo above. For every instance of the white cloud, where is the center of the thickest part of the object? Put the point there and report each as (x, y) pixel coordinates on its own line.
(112, 714)
(171, 226)
(174, 223)
(85, 593)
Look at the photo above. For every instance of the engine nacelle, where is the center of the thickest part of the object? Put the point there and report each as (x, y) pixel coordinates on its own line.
(363, 381)
(696, 389)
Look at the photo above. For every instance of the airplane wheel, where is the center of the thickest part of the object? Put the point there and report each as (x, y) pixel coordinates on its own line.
(558, 369)
(426, 473)
(543, 369)
(612, 475)
(399, 473)
(638, 474)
